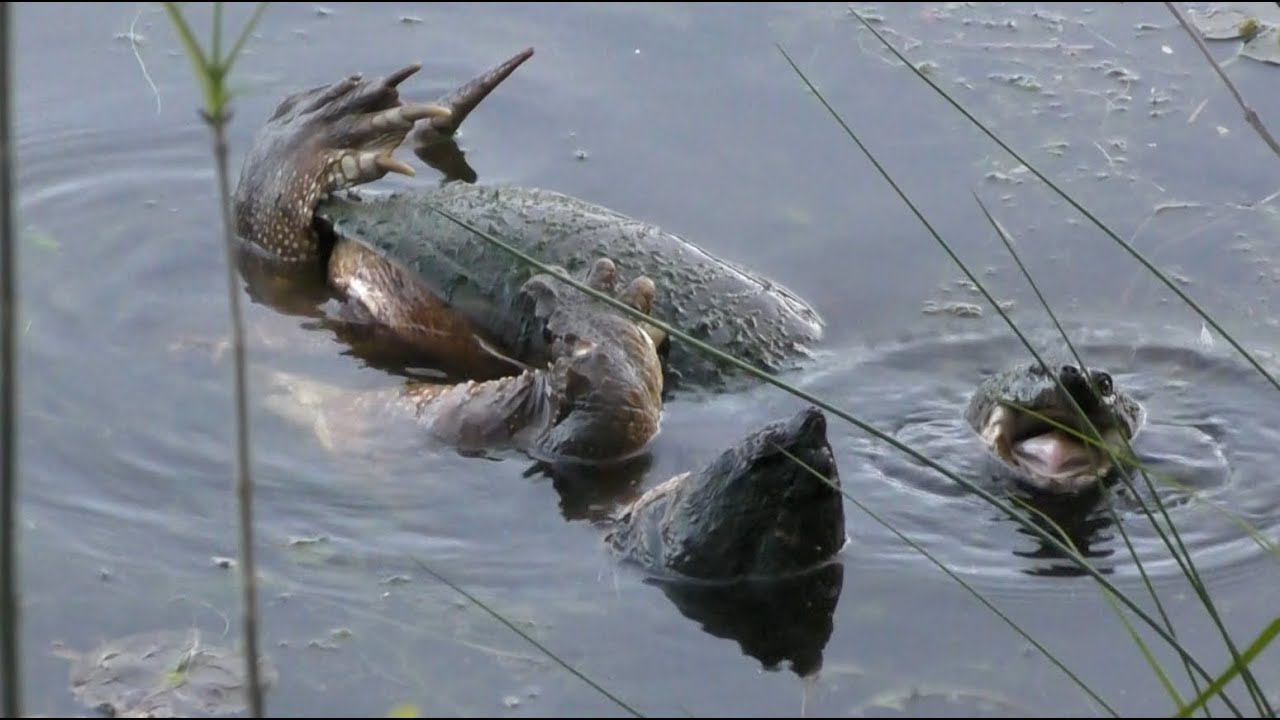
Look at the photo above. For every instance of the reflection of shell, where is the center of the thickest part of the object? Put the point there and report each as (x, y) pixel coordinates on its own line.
(163, 673)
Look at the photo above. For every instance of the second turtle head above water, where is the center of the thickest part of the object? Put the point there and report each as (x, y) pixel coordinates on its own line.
(1030, 419)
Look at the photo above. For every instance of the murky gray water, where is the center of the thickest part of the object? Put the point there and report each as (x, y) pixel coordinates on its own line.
(690, 118)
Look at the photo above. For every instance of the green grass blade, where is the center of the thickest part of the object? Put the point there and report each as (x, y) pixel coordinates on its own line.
(1173, 287)
(818, 402)
(527, 637)
(1145, 649)
(1255, 648)
(244, 36)
(969, 274)
(1142, 570)
(1176, 546)
(213, 81)
(215, 45)
(199, 61)
(951, 574)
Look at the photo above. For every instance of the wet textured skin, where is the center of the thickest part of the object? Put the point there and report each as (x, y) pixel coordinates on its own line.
(994, 415)
(752, 512)
(599, 399)
(439, 288)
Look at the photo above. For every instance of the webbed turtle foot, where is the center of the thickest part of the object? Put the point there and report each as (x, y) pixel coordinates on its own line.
(316, 142)
(606, 372)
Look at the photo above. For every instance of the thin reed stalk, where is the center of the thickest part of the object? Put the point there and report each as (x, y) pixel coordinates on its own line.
(9, 621)
(1250, 115)
(213, 71)
(727, 359)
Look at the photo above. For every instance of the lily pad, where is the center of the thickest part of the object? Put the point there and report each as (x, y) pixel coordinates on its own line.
(1223, 22)
(1264, 46)
(164, 673)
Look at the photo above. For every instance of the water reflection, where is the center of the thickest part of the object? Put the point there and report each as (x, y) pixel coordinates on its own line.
(774, 621)
(592, 492)
(448, 159)
(1080, 521)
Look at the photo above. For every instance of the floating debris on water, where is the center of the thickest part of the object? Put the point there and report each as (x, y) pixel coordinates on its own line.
(223, 562)
(1018, 80)
(1222, 22)
(1265, 46)
(870, 14)
(1013, 177)
(958, 309)
(335, 638)
(1056, 147)
(163, 673)
(1123, 75)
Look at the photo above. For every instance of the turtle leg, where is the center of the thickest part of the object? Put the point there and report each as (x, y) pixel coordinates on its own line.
(319, 141)
(401, 312)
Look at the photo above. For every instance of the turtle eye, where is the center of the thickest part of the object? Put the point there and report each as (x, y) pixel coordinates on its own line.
(1103, 380)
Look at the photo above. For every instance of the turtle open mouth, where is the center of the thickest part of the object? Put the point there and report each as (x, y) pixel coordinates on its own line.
(1050, 447)
(1057, 428)
(1052, 452)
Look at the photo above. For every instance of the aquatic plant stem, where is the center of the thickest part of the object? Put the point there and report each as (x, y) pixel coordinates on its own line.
(1115, 518)
(9, 625)
(1250, 116)
(244, 480)
(213, 71)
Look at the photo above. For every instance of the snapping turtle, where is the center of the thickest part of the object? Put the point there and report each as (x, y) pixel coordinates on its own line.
(436, 287)
(1035, 452)
(589, 380)
(598, 399)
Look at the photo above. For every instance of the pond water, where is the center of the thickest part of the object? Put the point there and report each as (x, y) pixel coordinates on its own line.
(686, 116)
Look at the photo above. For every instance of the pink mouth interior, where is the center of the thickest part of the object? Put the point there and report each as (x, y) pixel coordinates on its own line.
(1054, 454)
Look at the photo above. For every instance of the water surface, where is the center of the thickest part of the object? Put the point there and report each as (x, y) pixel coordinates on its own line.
(686, 116)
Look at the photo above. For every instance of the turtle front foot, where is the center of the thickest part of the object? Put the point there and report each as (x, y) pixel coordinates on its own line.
(318, 141)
